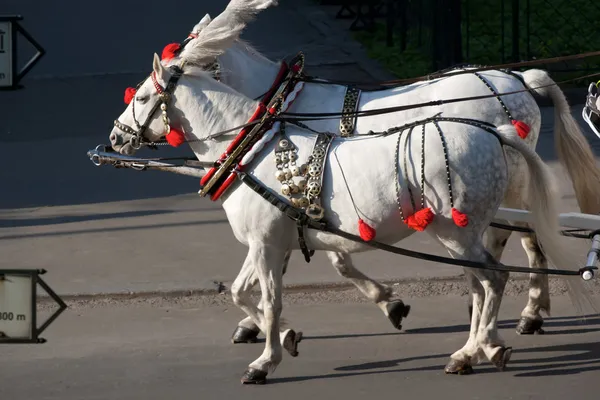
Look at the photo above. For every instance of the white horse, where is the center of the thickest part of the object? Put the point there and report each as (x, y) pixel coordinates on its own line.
(249, 72)
(373, 174)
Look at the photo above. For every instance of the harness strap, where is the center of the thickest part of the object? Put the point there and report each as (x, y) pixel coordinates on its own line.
(301, 219)
(348, 122)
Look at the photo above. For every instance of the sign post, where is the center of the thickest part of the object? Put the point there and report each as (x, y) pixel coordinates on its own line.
(18, 301)
(10, 75)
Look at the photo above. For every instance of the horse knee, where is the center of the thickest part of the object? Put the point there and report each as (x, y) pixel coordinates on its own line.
(238, 294)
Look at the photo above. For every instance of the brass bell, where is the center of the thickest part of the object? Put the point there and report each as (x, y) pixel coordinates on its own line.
(285, 189)
(288, 173)
(301, 185)
(280, 175)
(302, 202)
(295, 170)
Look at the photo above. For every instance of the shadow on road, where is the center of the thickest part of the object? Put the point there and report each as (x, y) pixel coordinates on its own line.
(113, 229)
(582, 357)
(531, 362)
(67, 219)
(554, 322)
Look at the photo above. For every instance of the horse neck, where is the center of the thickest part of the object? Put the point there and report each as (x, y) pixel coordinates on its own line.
(207, 112)
(247, 71)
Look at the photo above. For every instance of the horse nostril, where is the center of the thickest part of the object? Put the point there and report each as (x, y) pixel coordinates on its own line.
(113, 138)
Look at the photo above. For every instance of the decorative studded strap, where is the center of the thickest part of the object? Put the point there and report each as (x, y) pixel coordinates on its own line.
(302, 183)
(316, 166)
(347, 123)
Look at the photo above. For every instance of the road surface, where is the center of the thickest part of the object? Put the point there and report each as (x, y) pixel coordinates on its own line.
(179, 348)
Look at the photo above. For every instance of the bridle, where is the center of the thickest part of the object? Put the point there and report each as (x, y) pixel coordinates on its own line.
(165, 95)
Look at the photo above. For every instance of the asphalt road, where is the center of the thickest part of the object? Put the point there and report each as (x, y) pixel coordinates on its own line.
(180, 349)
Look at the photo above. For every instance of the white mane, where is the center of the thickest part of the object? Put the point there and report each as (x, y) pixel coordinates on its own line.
(218, 35)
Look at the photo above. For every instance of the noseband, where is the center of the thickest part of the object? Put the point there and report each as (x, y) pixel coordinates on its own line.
(164, 98)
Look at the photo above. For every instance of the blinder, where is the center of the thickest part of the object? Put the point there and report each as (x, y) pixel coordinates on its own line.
(590, 112)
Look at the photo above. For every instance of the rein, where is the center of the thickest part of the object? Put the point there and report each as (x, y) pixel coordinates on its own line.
(302, 219)
(297, 117)
(443, 73)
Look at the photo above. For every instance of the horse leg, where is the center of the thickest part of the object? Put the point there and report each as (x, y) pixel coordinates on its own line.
(249, 327)
(376, 292)
(539, 291)
(461, 361)
(268, 263)
(247, 331)
(495, 241)
(487, 288)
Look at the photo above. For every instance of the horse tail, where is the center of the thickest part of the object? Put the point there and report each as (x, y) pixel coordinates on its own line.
(545, 217)
(573, 149)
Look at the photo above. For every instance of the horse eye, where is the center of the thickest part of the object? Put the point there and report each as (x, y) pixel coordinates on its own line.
(142, 99)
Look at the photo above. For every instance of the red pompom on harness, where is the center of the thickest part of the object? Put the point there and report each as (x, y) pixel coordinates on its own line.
(367, 233)
(521, 127)
(419, 220)
(170, 51)
(129, 94)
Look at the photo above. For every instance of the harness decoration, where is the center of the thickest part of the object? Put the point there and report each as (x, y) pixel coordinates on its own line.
(521, 127)
(302, 184)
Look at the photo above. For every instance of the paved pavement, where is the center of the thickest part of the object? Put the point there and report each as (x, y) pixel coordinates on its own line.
(100, 230)
(349, 351)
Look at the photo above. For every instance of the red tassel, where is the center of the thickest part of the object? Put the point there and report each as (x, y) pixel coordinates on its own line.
(175, 138)
(366, 232)
(170, 51)
(129, 93)
(522, 128)
(419, 220)
(459, 218)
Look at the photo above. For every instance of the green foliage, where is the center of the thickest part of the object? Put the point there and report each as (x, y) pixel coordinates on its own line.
(555, 28)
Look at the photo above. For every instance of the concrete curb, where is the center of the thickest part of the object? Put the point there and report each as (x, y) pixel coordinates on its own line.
(408, 287)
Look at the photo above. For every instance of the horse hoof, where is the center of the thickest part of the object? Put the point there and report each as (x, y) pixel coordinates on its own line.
(291, 340)
(501, 358)
(254, 377)
(529, 326)
(458, 367)
(396, 311)
(244, 335)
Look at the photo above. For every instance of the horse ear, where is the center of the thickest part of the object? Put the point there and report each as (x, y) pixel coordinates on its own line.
(202, 24)
(161, 72)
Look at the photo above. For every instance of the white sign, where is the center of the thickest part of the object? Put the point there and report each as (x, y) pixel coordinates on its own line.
(6, 54)
(16, 296)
